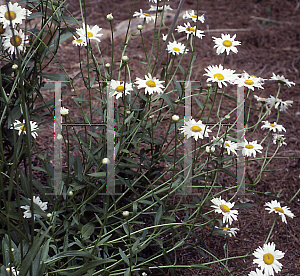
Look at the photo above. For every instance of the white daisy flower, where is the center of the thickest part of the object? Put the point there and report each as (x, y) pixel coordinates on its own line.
(195, 129)
(267, 257)
(119, 89)
(225, 43)
(13, 271)
(250, 148)
(36, 200)
(283, 105)
(33, 127)
(277, 138)
(81, 41)
(11, 43)
(160, 9)
(228, 145)
(230, 231)
(260, 99)
(223, 207)
(190, 30)
(89, 33)
(282, 80)
(176, 48)
(193, 15)
(259, 79)
(144, 15)
(274, 206)
(249, 81)
(272, 127)
(151, 84)
(258, 272)
(220, 75)
(15, 13)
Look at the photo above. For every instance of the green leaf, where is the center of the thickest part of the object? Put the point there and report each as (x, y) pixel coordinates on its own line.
(243, 205)
(168, 100)
(98, 174)
(92, 264)
(68, 254)
(87, 230)
(78, 168)
(27, 261)
(200, 266)
(54, 76)
(123, 256)
(178, 88)
(101, 242)
(158, 215)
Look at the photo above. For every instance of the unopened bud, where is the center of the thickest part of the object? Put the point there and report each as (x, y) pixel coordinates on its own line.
(110, 17)
(125, 58)
(175, 118)
(140, 27)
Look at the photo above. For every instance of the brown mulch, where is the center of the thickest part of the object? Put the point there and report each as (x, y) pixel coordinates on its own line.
(270, 42)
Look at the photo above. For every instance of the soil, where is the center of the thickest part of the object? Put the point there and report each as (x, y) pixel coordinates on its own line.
(270, 42)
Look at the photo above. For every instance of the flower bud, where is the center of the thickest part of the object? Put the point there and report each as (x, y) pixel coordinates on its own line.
(15, 66)
(64, 111)
(70, 193)
(59, 137)
(128, 112)
(175, 118)
(125, 58)
(105, 161)
(107, 65)
(110, 17)
(144, 274)
(49, 215)
(140, 27)
(164, 37)
(125, 214)
(151, 116)
(227, 117)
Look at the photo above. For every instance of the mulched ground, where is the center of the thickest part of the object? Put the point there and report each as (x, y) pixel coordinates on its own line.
(270, 36)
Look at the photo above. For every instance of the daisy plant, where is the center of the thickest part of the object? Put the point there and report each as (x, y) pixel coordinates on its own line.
(141, 131)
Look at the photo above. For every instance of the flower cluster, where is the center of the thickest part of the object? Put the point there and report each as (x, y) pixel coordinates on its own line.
(11, 16)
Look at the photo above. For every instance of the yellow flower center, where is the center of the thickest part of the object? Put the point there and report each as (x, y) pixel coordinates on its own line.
(10, 15)
(226, 228)
(120, 88)
(195, 16)
(268, 258)
(224, 208)
(273, 125)
(176, 49)
(196, 129)
(227, 43)
(150, 83)
(2, 30)
(226, 144)
(23, 128)
(219, 76)
(249, 146)
(146, 14)
(190, 29)
(249, 82)
(253, 76)
(279, 209)
(79, 40)
(17, 41)
(89, 34)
